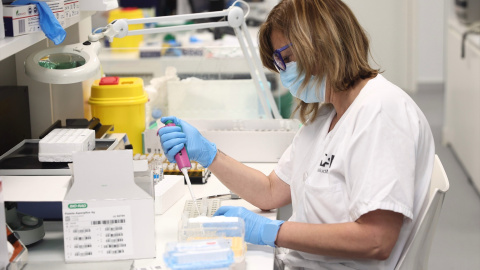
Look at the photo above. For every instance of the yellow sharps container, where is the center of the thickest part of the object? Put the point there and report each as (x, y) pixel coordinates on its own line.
(121, 102)
(128, 43)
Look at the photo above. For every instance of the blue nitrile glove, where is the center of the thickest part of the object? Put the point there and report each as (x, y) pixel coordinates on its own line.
(49, 24)
(258, 230)
(173, 139)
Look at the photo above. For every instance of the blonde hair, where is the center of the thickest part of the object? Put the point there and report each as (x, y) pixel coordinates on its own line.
(327, 40)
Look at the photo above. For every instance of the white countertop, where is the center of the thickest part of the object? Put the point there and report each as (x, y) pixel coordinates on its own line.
(49, 254)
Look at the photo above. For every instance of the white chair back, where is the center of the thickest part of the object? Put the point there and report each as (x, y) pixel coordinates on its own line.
(416, 252)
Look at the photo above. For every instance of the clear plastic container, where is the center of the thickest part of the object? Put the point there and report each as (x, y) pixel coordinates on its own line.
(231, 229)
(199, 254)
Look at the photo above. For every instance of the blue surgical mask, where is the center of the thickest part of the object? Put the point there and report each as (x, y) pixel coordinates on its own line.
(292, 80)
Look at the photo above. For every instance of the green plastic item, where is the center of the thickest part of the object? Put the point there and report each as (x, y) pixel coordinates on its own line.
(62, 61)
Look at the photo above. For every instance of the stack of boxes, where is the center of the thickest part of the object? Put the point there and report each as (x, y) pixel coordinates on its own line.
(22, 20)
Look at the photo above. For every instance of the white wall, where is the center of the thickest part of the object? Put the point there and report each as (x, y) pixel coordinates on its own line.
(431, 41)
(389, 26)
(421, 60)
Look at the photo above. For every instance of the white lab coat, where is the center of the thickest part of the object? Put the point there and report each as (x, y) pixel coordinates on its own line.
(379, 156)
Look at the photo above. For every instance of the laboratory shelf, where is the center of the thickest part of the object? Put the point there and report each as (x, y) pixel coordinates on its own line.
(11, 45)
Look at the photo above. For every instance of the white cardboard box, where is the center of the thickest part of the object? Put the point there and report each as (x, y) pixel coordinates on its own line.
(168, 192)
(21, 20)
(106, 216)
(72, 12)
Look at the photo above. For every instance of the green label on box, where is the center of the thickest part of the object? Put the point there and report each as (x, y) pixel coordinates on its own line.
(77, 205)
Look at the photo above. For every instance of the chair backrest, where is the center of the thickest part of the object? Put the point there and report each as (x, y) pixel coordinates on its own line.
(417, 249)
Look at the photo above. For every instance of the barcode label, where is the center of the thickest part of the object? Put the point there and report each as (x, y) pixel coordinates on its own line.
(83, 246)
(118, 228)
(118, 251)
(21, 26)
(81, 231)
(113, 234)
(105, 222)
(80, 238)
(114, 245)
(91, 233)
(114, 240)
(83, 254)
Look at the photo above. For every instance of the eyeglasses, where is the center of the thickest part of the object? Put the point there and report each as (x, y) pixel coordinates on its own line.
(278, 59)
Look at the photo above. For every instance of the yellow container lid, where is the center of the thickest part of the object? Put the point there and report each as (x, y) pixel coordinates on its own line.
(125, 13)
(110, 91)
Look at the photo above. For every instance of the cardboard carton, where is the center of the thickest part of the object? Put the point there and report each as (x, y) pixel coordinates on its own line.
(106, 216)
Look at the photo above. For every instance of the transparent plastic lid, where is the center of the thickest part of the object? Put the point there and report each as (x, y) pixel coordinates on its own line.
(232, 229)
(219, 226)
(199, 254)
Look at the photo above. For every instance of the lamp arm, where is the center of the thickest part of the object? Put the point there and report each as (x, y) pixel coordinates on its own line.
(258, 67)
(235, 19)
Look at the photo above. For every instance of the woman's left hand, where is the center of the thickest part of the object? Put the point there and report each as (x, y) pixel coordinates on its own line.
(258, 230)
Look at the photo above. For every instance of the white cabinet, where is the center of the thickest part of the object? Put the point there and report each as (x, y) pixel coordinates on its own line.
(462, 98)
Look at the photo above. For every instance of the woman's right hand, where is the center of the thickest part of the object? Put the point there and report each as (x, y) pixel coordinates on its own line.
(174, 138)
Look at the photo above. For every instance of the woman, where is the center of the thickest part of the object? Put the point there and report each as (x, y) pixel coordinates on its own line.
(357, 172)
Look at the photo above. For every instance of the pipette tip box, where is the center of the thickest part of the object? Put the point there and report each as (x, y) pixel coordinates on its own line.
(231, 229)
(199, 254)
(60, 144)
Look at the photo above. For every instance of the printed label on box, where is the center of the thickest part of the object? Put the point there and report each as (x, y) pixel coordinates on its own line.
(97, 232)
(72, 8)
(20, 20)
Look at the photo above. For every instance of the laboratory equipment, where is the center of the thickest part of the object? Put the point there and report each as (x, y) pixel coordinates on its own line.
(221, 227)
(23, 159)
(20, 252)
(183, 163)
(121, 102)
(130, 43)
(157, 169)
(29, 228)
(181, 157)
(468, 11)
(233, 17)
(60, 143)
(197, 174)
(200, 254)
(207, 207)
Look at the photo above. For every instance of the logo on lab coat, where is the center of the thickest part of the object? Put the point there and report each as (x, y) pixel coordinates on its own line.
(326, 163)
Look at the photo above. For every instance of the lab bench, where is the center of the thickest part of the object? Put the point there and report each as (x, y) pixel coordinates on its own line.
(49, 253)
